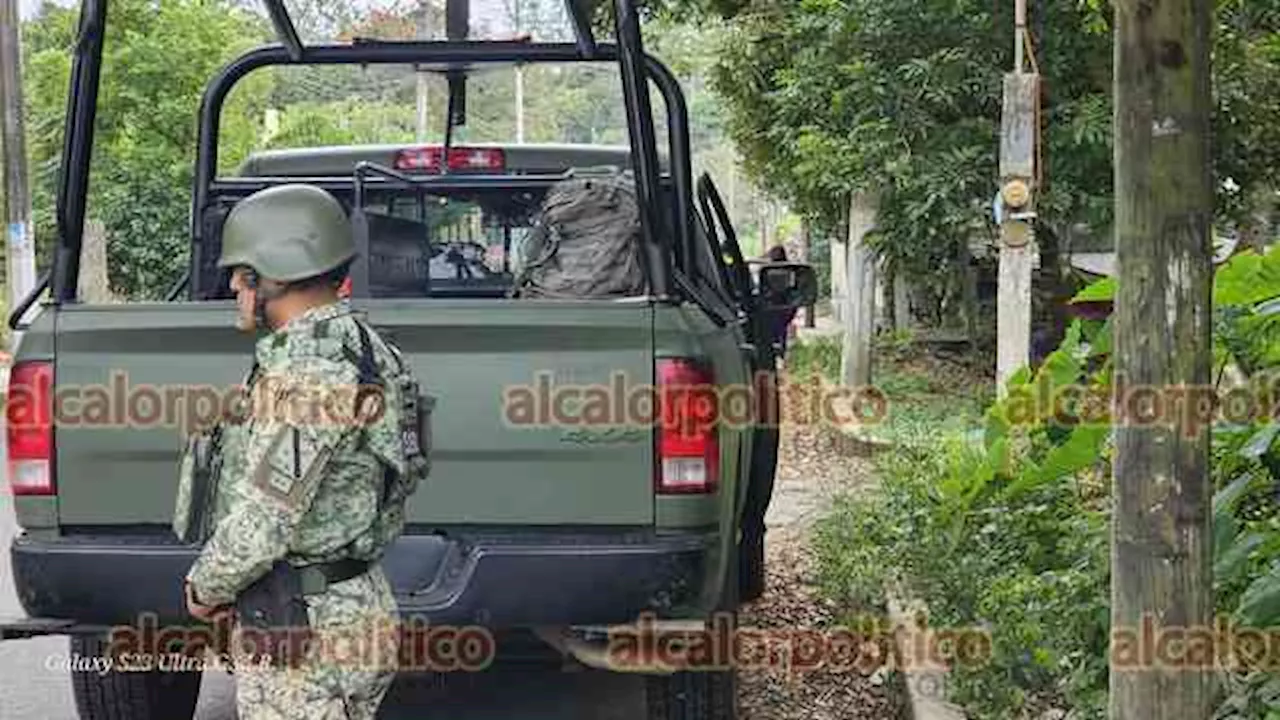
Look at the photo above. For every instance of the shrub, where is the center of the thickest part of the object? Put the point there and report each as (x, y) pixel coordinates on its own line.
(1006, 526)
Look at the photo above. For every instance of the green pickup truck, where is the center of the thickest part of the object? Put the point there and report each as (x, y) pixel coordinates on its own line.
(537, 522)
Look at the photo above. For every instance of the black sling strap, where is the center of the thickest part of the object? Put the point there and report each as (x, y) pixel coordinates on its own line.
(370, 382)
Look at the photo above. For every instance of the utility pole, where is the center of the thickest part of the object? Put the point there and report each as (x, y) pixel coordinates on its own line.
(1018, 139)
(424, 33)
(21, 268)
(1161, 553)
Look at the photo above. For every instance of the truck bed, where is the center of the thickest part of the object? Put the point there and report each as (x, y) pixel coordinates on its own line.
(465, 352)
(516, 526)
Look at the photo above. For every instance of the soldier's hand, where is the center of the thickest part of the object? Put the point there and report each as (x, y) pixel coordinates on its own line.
(201, 612)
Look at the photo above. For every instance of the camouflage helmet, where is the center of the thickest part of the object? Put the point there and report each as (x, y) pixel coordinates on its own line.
(287, 233)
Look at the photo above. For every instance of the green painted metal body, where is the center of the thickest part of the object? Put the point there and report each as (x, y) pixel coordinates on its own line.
(117, 473)
(477, 356)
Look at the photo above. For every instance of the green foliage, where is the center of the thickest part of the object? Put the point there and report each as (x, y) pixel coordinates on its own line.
(1251, 277)
(1099, 290)
(1029, 569)
(1246, 298)
(1246, 469)
(819, 356)
(1005, 526)
(827, 97)
(160, 56)
(156, 62)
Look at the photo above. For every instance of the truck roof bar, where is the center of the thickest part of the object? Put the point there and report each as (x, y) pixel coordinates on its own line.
(467, 53)
(582, 29)
(77, 150)
(285, 29)
(636, 68)
(15, 317)
(644, 150)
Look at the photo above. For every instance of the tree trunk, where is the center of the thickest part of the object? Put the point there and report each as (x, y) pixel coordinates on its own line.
(94, 286)
(1161, 541)
(806, 256)
(860, 288)
(839, 276)
(901, 302)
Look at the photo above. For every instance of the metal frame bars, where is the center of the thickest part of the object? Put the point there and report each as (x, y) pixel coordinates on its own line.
(285, 30)
(77, 153)
(409, 53)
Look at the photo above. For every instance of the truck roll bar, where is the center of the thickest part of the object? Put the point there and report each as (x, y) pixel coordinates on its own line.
(635, 66)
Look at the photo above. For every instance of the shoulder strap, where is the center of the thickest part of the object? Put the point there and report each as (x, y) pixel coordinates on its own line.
(369, 375)
(367, 366)
(253, 373)
(364, 361)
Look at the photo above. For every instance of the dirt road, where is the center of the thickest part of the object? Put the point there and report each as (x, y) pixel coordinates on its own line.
(809, 474)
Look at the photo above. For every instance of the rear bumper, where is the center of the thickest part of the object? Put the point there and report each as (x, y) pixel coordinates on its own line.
(497, 581)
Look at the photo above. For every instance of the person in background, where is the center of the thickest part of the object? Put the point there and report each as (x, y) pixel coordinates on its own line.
(780, 320)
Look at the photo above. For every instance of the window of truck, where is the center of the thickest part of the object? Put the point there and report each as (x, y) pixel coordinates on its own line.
(464, 243)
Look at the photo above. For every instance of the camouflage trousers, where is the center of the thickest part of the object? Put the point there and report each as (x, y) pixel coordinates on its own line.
(346, 667)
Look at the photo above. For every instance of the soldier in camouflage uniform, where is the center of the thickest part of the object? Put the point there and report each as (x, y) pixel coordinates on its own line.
(304, 485)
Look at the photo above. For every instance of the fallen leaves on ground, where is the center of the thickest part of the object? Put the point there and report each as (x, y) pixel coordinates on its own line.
(808, 473)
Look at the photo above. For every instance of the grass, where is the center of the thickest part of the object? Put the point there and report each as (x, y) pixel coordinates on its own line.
(1028, 571)
(924, 394)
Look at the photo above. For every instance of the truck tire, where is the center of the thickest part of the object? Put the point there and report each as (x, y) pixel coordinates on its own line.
(700, 694)
(694, 695)
(751, 567)
(124, 695)
(751, 570)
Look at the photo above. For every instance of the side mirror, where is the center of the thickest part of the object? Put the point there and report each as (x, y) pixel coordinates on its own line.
(787, 286)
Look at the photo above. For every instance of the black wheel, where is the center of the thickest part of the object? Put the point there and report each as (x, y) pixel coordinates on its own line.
(751, 567)
(710, 694)
(130, 695)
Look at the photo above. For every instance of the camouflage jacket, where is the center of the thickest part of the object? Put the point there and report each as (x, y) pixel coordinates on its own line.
(304, 481)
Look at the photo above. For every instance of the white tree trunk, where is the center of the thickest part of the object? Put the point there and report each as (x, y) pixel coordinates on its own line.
(838, 279)
(859, 320)
(881, 303)
(901, 303)
(94, 284)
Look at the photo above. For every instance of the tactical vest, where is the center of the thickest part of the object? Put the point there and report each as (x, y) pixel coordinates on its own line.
(203, 498)
(413, 429)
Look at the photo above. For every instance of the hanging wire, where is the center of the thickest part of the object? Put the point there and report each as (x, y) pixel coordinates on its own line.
(1035, 68)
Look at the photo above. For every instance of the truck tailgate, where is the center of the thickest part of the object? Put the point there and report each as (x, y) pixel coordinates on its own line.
(121, 470)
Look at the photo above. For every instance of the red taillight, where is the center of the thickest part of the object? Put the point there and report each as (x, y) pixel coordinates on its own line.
(460, 158)
(688, 445)
(29, 415)
(476, 159)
